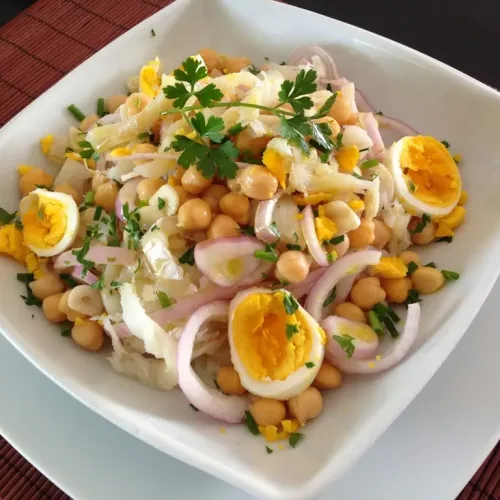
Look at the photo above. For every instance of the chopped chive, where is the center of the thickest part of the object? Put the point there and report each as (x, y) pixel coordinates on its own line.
(446, 144)
(164, 299)
(295, 438)
(310, 364)
(413, 297)
(98, 212)
(369, 163)
(447, 239)
(450, 275)
(375, 323)
(390, 326)
(76, 112)
(291, 305)
(412, 267)
(269, 256)
(330, 297)
(100, 107)
(345, 341)
(153, 33)
(291, 246)
(393, 315)
(364, 150)
(269, 450)
(89, 198)
(336, 240)
(251, 424)
(431, 264)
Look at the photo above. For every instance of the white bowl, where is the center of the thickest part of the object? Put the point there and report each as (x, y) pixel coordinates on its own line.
(431, 96)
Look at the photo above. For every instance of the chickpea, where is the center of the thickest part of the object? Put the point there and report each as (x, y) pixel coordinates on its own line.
(148, 187)
(194, 215)
(233, 64)
(105, 196)
(382, 234)
(251, 145)
(98, 178)
(306, 405)
(407, 256)
(223, 226)
(258, 182)
(136, 102)
(268, 411)
(427, 280)
(114, 102)
(67, 189)
(341, 109)
(211, 58)
(293, 266)
(367, 292)
(425, 236)
(183, 195)
(34, 176)
(194, 182)
(328, 377)
(144, 148)
(363, 235)
(396, 289)
(236, 206)
(88, 122)
(50, 307)
(47, 285)
(340, 248)
(64, 307)
(213, 195)
(350, 311)
(229, 381)
(90, 335)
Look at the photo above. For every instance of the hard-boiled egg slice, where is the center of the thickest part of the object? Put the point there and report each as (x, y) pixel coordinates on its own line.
(276, 347)
(149, 81)
(278, 158)
(50, 222)
(426, 177)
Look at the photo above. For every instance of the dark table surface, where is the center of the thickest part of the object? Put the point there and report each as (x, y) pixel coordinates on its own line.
(463, 34)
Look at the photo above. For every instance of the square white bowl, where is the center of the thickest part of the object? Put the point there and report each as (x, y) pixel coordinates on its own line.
(436, 99)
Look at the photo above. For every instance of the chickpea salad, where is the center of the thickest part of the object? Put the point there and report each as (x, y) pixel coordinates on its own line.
(244, 233)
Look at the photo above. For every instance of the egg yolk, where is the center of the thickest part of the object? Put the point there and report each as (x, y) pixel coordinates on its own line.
(390, 267)
(312, 199)
(347, 157)
(260, 337)
(44, 224)
(278, 165)
(11, 243)
(431, 171)
(149, 82)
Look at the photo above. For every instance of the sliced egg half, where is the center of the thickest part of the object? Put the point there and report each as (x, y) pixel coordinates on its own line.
(277, 355)
(50, 222)
(278, 158)
(426, 177)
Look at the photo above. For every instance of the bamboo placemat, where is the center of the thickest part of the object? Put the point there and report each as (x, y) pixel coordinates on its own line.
(37, 49)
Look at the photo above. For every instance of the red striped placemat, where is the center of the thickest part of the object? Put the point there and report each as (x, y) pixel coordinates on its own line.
(37, 49)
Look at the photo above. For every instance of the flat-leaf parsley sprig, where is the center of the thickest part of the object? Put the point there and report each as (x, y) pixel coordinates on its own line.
(215, 154)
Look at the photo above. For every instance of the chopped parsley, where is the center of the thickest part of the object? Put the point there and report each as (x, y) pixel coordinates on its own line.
(248, 230)
(65, 328)
(426, 218)
(345, 342)
(253, 70)
(153, 33)
(269, 450)
(41, 212)
(68, 280)
(99, 284)
(450, 275)
(411, 186)
(143, 135)
(236, 129)
(446, 239)
(274, 229)
(161, 203)
(132, 227)
(269, 253)
(43, 186)
(431, 264)
(251, 424)
(29, 298)
(6, 217)
(291, 246)
(310, 364)
(291, 330)
(446, 144)
(295, 438)
(330, 257)
(88, 152)
(412, 267)
(291, 305)
(187, 257)
(164, 299)
(330, 297)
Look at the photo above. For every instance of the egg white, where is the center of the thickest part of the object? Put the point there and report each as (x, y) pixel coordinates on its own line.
(72, 220)
(403, 192)
(297, 381)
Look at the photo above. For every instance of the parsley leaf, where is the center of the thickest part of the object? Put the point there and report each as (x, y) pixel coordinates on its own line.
(236, 129)
(208, 95)
(310, 364)
(6, 217)
(251, 424)
(412, 267)
(426, 218)
(252, 69)
(269, 450)
(294, 130)
(345, 342)
(295, 438)
(211, 129)
(291, 305)
(291, 330)
(187, 257)
(248, 230)
(192, 71)
(294, 93)
(161, 203)
(331, 297)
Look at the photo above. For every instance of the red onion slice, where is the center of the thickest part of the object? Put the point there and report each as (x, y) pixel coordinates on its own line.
(312, 242)
(348, 266)
(394, 123)
(264, 219)
(98, 254)
(363, 349)
(308, 52)
(230, 409)
(363, 104)
(399, 349)
(227, 261)
(89, 278)
(300, 289)
(127, 194)
(370, 124)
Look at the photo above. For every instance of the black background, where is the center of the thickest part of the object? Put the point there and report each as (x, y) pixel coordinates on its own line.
(464, 34)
